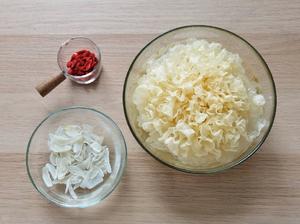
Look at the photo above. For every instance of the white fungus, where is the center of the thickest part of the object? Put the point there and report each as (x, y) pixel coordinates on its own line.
(195, 102)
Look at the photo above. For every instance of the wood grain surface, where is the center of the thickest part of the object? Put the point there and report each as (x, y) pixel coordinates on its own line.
(264, 189)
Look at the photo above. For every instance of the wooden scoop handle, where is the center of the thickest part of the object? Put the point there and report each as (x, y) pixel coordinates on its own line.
(46, 87)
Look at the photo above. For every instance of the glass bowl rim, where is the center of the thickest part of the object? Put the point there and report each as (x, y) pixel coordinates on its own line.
(120, 172)
(65, 73)
(228, 165)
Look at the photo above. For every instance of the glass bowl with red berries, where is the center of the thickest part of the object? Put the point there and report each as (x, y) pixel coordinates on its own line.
(79, 58)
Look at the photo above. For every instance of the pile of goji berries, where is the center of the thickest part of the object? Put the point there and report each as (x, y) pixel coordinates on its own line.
(82, 62)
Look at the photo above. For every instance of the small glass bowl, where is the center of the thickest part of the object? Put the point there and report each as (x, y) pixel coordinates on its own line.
(73, 45)
(37, 155)
(255, 67)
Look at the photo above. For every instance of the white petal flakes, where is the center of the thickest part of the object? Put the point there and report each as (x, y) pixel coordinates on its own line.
(106, 160)
(72, 193)
(52, 170)
(95, 146)
(67, 186)
(77, 148)
(53, 158)
(77, 159)
(91, 183)
(46, 177)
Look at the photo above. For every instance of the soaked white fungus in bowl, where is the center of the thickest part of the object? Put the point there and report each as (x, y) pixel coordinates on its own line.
(196, 103)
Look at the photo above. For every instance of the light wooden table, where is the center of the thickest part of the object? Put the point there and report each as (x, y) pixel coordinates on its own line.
(265, 189)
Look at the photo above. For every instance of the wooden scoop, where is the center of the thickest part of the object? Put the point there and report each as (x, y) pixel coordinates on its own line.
(47, 86)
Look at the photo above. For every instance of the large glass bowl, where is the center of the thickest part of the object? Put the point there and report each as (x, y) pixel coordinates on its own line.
(37, 155)
(255, 67)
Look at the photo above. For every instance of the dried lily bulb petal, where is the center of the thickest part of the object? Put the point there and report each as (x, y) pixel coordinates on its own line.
(77, 159)
(46, 177)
